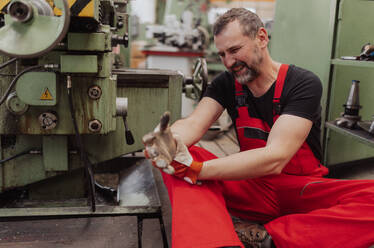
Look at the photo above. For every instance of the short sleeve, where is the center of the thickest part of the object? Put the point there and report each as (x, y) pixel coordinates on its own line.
(222, 90)
(303, 96)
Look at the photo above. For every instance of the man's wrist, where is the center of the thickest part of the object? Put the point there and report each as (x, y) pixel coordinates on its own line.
(203, 172)
(196, 166)
(192, 173)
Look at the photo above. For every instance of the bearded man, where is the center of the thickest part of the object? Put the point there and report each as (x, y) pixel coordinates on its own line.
(274, 188)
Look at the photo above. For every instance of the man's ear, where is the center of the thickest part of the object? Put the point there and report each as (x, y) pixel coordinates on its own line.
(263, 37)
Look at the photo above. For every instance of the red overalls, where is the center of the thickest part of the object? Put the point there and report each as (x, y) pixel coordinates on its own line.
(252, 132)
(299, 206)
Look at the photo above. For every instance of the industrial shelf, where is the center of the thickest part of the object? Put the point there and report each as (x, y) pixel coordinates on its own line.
(356, 63)
(358, 134)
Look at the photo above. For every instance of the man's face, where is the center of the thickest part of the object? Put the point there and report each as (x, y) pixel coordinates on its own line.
(239, 53)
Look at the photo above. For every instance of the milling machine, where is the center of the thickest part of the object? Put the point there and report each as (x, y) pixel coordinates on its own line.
(184, 27)
(65, 110)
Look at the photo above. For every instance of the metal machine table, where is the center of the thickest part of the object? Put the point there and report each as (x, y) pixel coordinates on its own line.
(138, 197)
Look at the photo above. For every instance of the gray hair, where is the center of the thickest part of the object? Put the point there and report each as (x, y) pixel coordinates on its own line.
(249, 21)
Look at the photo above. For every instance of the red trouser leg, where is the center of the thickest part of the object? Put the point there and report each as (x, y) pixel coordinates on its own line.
(199, 213)
(321, 212)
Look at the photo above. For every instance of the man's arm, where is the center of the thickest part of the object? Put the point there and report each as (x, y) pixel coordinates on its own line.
(286, 137)
(192, 128)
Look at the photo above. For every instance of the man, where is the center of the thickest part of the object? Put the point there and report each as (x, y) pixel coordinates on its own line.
(276, 179)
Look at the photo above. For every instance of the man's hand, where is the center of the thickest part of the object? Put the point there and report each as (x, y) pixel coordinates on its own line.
(160, 145)
(169, 153)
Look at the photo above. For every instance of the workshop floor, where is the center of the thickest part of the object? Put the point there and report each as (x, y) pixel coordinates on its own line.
(113, 232)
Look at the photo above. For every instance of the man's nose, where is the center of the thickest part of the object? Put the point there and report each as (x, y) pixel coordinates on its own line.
(229, 61)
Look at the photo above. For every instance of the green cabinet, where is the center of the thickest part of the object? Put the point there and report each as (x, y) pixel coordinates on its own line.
(353, 22)
(315, 35)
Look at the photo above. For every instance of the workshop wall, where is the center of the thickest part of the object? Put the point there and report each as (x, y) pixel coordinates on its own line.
(144, 14)
(265, 9)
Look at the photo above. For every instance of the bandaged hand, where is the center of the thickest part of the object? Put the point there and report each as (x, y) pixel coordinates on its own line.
(168, 152)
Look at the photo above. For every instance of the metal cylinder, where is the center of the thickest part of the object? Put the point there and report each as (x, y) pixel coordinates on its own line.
(352, 105)
(95, 92)
(121, 106)
(15, 105)
(95, 126)
(48, 120)
(21, 11)
(43, 7)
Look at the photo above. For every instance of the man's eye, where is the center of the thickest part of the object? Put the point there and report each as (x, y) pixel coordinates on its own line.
(234, 50)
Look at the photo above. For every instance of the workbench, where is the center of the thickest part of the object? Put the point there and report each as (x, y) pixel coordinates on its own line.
(116, 225)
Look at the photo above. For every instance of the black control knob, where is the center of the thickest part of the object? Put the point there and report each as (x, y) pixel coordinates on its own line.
(121, 40)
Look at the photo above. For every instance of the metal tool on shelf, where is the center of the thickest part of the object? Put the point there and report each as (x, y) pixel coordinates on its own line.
(366, 54)
(350, 116)
(367, 126)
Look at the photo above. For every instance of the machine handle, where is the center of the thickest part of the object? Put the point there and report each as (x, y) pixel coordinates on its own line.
(129, 138)
(128, 135)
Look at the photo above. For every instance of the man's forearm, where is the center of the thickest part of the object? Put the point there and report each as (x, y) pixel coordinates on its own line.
(192, 128)
(188, 131)
(243, 165)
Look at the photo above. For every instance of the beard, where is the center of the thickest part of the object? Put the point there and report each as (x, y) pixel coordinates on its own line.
(251, 71)
(248, 75)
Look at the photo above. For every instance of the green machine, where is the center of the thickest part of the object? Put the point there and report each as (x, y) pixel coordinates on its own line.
(66, 107)
(319, 35)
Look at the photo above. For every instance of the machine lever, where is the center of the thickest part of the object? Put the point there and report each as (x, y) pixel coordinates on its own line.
(129, 137)
(121, 110)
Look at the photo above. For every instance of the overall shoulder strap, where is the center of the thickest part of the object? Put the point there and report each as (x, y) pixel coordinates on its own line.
(240, 96)
(238, 88)
(279, 88)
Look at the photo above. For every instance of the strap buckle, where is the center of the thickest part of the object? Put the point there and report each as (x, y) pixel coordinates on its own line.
(277, 106)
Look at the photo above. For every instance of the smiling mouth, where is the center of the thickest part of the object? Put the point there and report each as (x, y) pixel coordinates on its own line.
(239, 69)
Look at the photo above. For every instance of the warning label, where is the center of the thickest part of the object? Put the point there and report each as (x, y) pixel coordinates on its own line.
(46, 95)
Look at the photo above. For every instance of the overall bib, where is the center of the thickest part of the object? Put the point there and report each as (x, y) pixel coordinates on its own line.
(253, 132)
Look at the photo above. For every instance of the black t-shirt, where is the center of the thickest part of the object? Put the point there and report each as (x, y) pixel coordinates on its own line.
(301, 97)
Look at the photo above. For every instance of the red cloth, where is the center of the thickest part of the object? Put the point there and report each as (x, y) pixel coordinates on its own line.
(299, 211)
(199, 214)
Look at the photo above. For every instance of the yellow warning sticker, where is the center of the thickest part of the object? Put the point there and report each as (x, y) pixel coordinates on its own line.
(3, 4)
(82, 8)
(46, 95)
